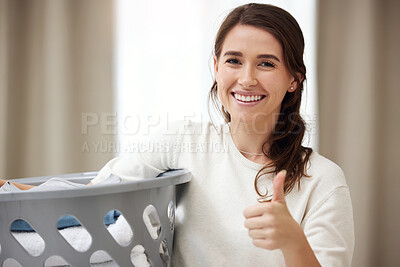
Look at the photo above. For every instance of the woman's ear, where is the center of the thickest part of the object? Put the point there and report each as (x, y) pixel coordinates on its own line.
(215, 65)
(294, 84)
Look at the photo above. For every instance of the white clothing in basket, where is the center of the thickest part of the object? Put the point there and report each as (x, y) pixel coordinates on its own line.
(209, 221)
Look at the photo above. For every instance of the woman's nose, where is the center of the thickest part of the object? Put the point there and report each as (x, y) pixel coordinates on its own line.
(247, 77)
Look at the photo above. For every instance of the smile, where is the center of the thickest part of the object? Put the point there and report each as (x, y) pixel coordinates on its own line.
(248, 98)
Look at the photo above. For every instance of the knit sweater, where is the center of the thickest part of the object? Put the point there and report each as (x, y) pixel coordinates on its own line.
(209, 219)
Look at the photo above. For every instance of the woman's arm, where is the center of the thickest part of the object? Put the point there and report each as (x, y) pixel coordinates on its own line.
(155, 153)
(324, 238)
(300, 254)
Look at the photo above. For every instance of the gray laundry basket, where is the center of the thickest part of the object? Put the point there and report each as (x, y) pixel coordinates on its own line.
(89, 205)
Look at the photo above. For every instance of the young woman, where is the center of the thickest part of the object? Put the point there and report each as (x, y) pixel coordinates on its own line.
(307, 221)
(257, 196)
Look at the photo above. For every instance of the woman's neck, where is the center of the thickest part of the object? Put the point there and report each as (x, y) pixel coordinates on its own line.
(250, 139)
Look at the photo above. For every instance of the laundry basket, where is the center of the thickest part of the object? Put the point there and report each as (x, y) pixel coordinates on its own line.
(88, 205)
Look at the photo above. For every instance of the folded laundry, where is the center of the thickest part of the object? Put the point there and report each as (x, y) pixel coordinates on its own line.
(9, 187)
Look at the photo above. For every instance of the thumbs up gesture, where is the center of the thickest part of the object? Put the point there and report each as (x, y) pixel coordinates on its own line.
(270, 224)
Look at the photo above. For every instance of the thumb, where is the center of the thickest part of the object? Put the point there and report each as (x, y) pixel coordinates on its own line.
(279, 195)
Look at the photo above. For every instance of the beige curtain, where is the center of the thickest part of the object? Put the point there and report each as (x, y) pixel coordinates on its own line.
(55, 79)
(359, 70)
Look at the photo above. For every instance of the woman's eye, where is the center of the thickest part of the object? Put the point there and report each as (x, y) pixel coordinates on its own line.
(232, 61)
(267, 64)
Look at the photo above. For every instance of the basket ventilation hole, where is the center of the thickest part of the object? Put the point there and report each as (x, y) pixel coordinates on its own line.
(56, 261)
(164, 252)
(74, 233)
(152, 221)
(171, 215)
(118, 227)
(10, 262)
(99, 257)
(27, 236)
(139, 257)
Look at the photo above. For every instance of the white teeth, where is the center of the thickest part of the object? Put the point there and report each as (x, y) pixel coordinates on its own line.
(247, 98)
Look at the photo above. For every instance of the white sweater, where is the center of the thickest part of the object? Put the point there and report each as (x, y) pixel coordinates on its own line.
(209, 221)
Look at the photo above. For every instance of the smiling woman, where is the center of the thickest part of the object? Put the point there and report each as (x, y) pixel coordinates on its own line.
(255, 57)
(256, 78)
(304, 217)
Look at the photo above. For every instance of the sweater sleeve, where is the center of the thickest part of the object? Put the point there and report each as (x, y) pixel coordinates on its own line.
(329, 229)
(152, 155)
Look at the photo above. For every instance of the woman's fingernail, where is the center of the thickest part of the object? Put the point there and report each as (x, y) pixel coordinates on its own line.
(284, 172)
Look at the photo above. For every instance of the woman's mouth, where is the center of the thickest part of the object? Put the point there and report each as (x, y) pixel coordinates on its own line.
(247, 98)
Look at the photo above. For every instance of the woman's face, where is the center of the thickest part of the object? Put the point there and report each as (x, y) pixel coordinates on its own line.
(252, 77)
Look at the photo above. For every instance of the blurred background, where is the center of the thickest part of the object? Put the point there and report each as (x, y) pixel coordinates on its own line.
(80, 80)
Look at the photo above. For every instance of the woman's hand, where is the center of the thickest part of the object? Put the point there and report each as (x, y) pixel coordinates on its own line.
(272, 227)
(270, 224)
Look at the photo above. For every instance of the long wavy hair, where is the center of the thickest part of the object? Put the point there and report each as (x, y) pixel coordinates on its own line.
(284, 145)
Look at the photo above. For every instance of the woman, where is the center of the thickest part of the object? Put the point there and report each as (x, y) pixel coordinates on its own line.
(303, 216)
(259, 76)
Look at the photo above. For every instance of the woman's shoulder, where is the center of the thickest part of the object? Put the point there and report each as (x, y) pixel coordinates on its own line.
(188, 126)
(325, 187)
(196, 128)
(325, 171)
(187, 133)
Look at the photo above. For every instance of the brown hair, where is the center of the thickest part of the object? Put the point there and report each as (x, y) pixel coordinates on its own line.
(285, 142)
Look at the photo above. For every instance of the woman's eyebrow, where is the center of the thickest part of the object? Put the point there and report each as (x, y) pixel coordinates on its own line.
(269, 56)
(239, 54)
(233, 53)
